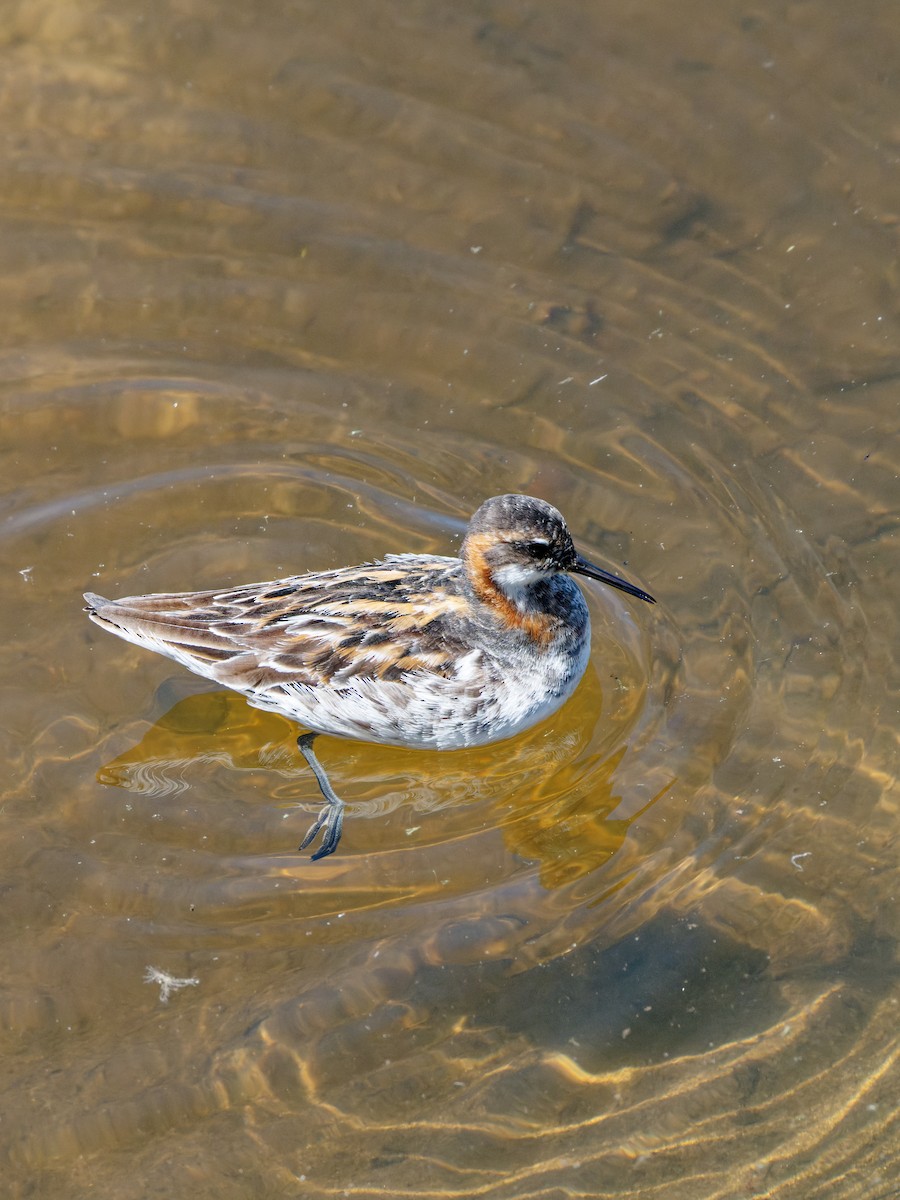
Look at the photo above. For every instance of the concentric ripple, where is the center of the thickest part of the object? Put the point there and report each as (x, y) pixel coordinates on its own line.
(293, 289)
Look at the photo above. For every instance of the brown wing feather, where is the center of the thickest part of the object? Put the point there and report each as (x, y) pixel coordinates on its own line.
(379, 620)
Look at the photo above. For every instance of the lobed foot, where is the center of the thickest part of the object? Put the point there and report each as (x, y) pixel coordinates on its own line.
(331, 817)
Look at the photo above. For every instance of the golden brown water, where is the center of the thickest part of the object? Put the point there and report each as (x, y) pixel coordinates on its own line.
(288, 286)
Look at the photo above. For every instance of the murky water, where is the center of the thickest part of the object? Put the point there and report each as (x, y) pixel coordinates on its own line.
(294, 285)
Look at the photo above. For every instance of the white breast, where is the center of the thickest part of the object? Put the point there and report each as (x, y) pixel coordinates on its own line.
(489, 698)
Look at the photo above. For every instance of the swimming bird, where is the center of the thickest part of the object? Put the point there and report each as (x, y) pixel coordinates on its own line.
(416, 650)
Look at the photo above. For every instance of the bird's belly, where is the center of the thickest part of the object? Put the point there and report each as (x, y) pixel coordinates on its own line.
(427, 711)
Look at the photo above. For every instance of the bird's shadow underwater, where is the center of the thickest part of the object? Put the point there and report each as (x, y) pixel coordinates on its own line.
(550, 793)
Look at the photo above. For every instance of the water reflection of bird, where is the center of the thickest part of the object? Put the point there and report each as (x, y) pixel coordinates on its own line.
(418, 650)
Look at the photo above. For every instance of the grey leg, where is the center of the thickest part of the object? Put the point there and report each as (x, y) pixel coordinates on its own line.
(331, 818)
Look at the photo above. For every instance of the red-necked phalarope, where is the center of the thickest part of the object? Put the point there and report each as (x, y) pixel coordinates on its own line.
(417, 650)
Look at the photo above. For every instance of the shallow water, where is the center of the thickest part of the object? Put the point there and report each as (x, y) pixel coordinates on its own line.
(292, 287)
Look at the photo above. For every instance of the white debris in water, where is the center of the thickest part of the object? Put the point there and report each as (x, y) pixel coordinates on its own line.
(167, 983)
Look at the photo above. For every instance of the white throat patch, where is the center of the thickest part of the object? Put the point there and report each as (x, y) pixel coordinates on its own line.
(515, 579)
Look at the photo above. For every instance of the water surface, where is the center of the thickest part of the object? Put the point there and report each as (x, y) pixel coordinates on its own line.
(293, 286)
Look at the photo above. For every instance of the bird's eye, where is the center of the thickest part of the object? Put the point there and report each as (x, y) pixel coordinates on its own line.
(537, 550)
